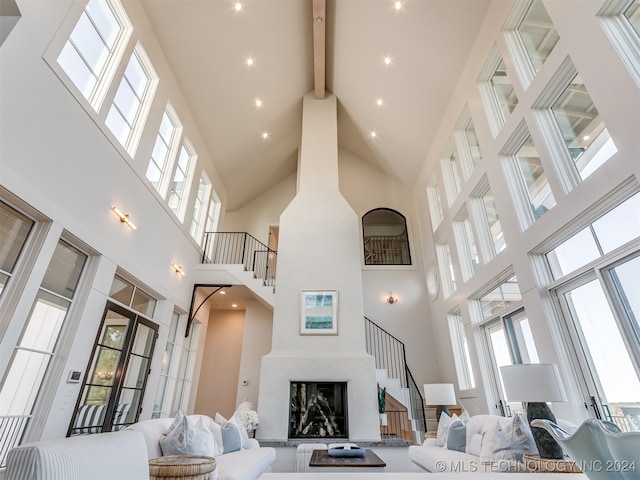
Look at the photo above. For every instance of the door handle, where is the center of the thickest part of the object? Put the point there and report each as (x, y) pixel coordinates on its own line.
(596, 409)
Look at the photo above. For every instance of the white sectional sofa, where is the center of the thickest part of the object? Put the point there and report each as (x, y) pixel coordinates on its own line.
(246, 464)
(123, 455)
(492, 444)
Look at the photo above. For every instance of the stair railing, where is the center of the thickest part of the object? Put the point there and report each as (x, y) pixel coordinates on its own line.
(241, 248)
(390, 355)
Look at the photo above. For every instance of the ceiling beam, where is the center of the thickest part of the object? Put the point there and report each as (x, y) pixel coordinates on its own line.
(319, 40)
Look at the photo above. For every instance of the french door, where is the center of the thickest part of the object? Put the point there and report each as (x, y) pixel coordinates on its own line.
(601, 310)
(509, 341)
(116, 377)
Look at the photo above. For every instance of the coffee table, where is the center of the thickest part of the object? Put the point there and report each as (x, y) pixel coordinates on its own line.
(195, 467)
(321, 461)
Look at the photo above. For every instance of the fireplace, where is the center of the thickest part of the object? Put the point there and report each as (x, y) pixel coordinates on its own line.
(318, 410)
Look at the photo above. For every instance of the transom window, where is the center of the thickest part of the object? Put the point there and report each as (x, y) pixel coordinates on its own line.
(94, 48)
(199, 208)
(538, 34)
(386, 241)
(612, 230)
(465, 240)
(502, 87)
(501, 298)
(445, 266)
(14, 231)
(473, 143)
(163, 150)
(132, 296)
(583, 130)
(130, 105)
(632, 13)
(535, 180)
(493, 222)
(181, 177)
(435, 207)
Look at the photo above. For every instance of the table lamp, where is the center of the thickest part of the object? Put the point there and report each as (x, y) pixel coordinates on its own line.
(441, 395)
(536, 384)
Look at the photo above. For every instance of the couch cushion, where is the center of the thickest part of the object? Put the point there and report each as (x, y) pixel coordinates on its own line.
(152, 430)
(440, 459)
(245, 464)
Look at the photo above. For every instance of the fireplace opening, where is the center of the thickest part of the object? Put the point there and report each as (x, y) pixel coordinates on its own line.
(318, 410)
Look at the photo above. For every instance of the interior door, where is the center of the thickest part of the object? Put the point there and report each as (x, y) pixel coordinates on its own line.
(116, 376)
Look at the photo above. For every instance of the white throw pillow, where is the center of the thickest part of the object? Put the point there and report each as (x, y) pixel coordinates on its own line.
(443, 428)
(238, 425)
(475, 445)
(513, 440)
(188, 438)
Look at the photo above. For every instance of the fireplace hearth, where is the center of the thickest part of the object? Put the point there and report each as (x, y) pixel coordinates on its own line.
(318, 410)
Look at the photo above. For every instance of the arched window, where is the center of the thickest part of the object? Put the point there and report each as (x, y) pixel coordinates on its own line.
(385, 238)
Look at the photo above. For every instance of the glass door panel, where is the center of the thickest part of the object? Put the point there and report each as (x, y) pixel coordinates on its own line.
(608, 355)
(130, 397)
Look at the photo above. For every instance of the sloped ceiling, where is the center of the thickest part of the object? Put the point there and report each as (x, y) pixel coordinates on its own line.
(207, 43)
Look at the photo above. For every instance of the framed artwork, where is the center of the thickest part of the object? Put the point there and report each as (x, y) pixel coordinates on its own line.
(319, 312)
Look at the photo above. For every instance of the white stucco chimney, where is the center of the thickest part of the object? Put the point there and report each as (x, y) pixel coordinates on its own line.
(319, 248)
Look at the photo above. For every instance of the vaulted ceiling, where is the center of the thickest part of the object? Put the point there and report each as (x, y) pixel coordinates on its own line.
(207, 44)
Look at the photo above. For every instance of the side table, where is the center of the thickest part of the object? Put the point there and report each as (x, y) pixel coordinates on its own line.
(534, 463)
(171, 467)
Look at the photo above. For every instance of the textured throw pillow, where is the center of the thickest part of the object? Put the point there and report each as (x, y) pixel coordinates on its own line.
(186, 438)
(231, 440)
(443, 428)
(457, 436)
(512, 440)
(237, 425)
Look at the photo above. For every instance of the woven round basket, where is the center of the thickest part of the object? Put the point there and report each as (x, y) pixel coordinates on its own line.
(174, 467)
(549, 465)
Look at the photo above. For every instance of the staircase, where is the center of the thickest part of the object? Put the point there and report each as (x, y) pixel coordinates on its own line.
(254, 265)
(392, 372)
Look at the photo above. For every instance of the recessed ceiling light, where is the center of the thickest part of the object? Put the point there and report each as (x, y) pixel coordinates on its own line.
(374, 134)
(234, 305)
(249, 61)
(264, 135)
(586, 137)
(387, 60)
(222, 292)
(237, 6)
(258, 102)
(379, 102)
(398, 5)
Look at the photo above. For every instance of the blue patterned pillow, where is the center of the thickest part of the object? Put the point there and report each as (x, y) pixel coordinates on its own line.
(185, 438)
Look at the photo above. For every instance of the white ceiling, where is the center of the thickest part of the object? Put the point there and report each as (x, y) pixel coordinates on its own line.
(206, 43)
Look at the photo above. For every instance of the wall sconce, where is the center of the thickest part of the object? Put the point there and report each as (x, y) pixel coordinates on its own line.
(124, 217)
(391, 299)
(177, 268)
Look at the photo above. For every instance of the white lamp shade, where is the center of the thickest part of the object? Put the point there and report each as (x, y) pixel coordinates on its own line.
(532, 382)
(439, 394)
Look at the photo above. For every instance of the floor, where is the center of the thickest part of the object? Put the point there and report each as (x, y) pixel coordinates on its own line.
(396, 458)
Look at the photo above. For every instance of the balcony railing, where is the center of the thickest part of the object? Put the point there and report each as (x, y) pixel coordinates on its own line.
(11, 430)
(236, 248)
